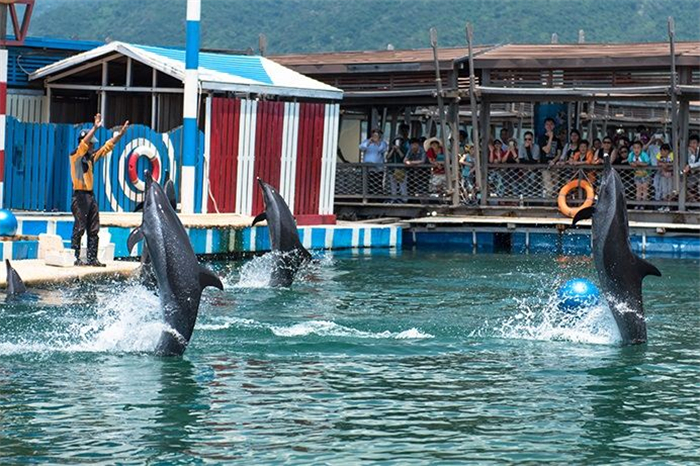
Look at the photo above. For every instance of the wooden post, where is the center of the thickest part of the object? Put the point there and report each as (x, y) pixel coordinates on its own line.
(485, 123)
(262, 44)
(674, 119)
(605, 118)
(475, 117)
(441, 109)
(454, 123)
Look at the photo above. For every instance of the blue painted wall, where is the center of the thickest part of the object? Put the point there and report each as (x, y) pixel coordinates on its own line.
(37, 171)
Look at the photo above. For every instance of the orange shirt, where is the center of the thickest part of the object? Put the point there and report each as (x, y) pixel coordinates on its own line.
(588, 158)
(83, 179)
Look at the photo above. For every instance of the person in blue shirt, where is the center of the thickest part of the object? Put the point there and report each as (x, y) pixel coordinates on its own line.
(639, 160)
(373, 150)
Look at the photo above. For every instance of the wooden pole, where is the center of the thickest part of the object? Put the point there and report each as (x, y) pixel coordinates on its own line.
(674, 119)
(475, 117)
(441, 110)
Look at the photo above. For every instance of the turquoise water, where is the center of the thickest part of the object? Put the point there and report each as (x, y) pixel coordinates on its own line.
(413, 358)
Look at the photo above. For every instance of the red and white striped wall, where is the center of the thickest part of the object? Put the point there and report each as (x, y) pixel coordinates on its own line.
(290, 145)
(3, 106)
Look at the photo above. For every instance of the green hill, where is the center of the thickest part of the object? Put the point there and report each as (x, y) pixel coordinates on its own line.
(333, 25)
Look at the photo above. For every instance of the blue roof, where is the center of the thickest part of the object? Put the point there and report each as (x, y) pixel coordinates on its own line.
(37, 52)
(245, 66)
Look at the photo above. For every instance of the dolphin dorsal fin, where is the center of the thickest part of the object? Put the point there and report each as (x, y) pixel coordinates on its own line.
(259, 218)
(645, 268)
(582, 215)
(207, 278)
(134, 237)
(15, 285)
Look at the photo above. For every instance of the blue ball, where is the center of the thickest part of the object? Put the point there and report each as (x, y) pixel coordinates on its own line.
(8, 223)
(576, 294)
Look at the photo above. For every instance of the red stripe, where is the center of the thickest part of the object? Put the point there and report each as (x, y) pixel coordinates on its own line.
(3, 98)
(268, 149)
(224, 153)
(309, 158)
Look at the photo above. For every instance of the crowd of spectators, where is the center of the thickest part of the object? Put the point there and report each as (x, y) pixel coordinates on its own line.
(649, 156)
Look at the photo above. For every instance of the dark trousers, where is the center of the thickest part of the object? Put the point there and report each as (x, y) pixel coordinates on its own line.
(87, 217)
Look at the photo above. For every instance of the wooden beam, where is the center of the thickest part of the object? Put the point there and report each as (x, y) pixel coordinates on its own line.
(473, 105)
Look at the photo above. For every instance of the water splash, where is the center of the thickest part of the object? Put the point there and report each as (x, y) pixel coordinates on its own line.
(326, 328)
(542, 319)
(126, 318)
(256, 272)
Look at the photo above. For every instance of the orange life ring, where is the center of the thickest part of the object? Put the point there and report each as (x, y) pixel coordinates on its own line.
(567, 188)
(150, 153)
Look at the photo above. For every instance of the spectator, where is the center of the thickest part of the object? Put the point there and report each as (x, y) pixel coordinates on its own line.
(692, 170)
(550, 148)
(418, 177)
(496, 152)
(504, 135)
(664, 186)
(397, 176)
(530, 152)
(510, 155)
(597, 144)
(373, 151)
(653, 147)
(582, 156)
(466, 161)
(436, 156)
(571, 147)
(606, 148)
(623, 149)
(639, 159)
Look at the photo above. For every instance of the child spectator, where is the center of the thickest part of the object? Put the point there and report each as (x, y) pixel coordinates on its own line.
(692, 170)
(664, 188)
(436, 156)
(582, 156)
(639, 159)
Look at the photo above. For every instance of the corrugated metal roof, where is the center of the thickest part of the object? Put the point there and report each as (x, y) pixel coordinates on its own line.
(374, 56)
(222, 72)
(640, 55)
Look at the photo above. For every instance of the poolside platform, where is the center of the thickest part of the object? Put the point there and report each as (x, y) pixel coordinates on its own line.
(36, 272)
(210, 234)
(544, 234)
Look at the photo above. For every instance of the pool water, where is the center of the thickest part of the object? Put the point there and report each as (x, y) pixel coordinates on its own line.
(407, 358)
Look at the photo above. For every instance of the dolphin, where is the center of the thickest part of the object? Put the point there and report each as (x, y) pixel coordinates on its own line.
(620, 271)
(284, 237)
(147, 276)
(179, 276)
(15, 285)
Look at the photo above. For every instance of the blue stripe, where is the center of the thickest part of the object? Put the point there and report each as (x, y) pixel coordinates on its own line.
(64, 228)
(190, 141)
(34, 227)
(192, 50)
(318, 238)
(25, 250)
(342, 238)
(198, 239)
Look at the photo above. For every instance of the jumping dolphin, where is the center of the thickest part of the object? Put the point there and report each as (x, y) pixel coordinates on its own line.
(15, 285)
(284, 237)
(148, 277)
(179, 276)
(620, 271)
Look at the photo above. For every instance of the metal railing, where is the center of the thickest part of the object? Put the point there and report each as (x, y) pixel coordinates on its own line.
(507, 184)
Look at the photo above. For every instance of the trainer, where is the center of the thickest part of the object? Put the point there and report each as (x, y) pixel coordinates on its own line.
(83, 205)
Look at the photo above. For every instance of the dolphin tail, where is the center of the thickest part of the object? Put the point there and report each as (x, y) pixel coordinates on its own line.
(582, 215)
(645, 268)
(207, 278)
(134, 237)
(259, 218)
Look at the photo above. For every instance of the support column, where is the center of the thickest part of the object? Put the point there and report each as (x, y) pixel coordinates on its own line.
(189, 154)
(3, 105)
(485, 130)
